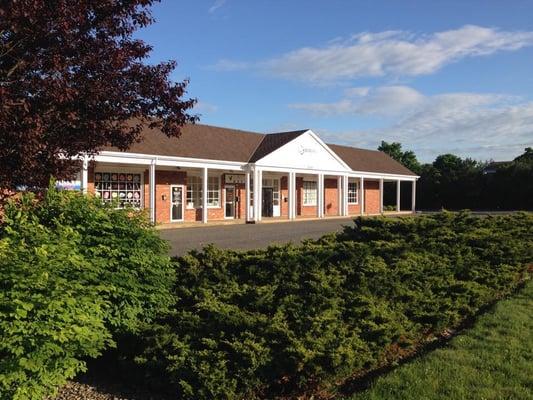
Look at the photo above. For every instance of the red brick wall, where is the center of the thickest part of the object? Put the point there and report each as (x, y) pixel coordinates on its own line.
(240, 207)
(166, 178)
(283, 194)
(90, 177)
(354, 209)
(372, 197)
(331, 197)
(163, 180)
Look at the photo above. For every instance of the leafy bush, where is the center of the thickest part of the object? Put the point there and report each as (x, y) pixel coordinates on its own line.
(290, 319)
(73, 274)
(130, 257)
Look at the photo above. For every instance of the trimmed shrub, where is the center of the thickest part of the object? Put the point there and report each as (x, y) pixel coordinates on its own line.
(74, 274)
(130, 257)
(294, 319)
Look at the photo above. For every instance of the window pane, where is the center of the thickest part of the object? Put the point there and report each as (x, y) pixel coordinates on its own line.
(194, 191)
(352, 192)
(213, 191)
(310, 193)
(120, 187)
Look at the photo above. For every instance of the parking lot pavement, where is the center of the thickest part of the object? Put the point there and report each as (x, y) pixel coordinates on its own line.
(249, 236)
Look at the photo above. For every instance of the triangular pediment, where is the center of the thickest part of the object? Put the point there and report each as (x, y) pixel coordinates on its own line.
(305, 151)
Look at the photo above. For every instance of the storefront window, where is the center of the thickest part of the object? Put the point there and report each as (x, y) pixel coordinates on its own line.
(213, 191)
(122, 188)
(310, 193)
(195, 191)
(352, 192)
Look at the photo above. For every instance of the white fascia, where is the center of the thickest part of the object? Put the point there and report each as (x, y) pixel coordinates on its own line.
(351, 174)
(170, 161)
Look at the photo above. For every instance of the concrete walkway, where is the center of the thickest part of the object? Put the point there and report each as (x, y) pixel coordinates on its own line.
(249, 236)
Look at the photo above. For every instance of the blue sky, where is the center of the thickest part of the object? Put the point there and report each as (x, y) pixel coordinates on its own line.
(439, 77)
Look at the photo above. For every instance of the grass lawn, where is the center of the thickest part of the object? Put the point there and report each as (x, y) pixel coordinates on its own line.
(492, 360)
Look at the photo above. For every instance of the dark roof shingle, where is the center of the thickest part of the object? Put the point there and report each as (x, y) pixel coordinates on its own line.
(274, 141)
(216, 143)
(199, 141)
(369, 160)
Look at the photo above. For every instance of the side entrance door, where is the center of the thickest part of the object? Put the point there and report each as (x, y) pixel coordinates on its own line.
(229, 209)
(176, 203)
(268, 198)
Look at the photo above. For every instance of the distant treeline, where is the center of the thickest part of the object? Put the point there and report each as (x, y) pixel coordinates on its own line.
(453, 183)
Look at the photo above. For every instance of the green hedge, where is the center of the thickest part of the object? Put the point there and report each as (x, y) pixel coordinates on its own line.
(292, 319)
(74, 274)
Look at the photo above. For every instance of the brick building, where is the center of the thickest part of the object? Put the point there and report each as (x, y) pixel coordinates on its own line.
(243, 175)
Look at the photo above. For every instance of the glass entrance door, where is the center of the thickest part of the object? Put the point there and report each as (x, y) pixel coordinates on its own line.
(176, 203)
(268, 202)
(230, 202)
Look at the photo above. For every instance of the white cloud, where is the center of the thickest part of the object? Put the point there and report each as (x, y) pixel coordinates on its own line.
(389, 53)
(216, 5)
(357, 91)
(229, 65)
(386, 101)
(205, 108)
(482, 126)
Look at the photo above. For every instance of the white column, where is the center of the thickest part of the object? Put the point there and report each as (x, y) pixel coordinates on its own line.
(260, 195)
(152, 190)
(85, 174)
(398, 195)
(339, 195)
(204, 195)
(258, 183)
(322, 196)
(247, 190)
(294, 196)
(346, 210)
(290, 195)
(381, 195)
(318, 195)
(413, 197)
(362, 190)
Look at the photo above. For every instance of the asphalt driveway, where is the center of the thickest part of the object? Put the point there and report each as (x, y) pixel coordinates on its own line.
(249, 236)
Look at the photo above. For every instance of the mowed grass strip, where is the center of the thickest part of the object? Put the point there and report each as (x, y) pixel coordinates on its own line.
(492, 360)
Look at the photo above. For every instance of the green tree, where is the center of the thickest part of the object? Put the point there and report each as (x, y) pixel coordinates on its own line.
(526, 157)
(406, 158)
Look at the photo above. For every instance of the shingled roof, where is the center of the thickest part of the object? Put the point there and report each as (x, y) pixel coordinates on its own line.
(199, 141)
(274, 141)
(216, 143)
(369, 160)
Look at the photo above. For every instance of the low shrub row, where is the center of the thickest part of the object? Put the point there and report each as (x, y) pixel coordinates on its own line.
(291, 319)
(74, 274)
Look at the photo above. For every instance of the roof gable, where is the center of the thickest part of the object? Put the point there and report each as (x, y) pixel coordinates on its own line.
(302, 150)
(274, 141)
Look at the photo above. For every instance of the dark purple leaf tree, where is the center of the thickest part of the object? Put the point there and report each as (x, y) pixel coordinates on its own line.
(73, 79)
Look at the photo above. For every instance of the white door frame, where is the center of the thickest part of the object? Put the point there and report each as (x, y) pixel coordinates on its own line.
(234, 202)
(182, 203)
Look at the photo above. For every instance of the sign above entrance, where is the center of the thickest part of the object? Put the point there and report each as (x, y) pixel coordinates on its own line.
(306, 151)
(234, 178)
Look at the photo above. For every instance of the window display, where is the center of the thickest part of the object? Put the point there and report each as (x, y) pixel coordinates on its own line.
(122, 188)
